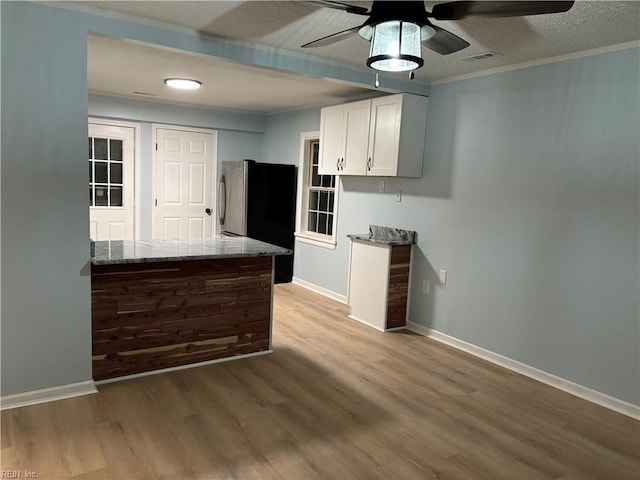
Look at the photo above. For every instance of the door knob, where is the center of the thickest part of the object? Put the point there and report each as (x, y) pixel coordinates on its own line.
(207, 211)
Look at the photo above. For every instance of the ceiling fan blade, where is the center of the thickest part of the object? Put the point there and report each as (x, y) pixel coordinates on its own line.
(459, 10)
(333, 38)
(444, 42)
(339, 6)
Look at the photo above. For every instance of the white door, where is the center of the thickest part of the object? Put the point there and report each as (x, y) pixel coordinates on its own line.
(111, 182)
(184, 173)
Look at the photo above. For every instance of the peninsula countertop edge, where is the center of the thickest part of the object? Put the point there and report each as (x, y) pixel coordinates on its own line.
(115, 252)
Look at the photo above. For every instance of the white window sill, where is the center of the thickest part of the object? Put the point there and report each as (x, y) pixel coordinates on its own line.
(316, 240)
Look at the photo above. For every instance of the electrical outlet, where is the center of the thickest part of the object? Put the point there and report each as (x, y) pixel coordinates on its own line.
(426, 286)
(442, 276)
(399, 196)
(381, 186)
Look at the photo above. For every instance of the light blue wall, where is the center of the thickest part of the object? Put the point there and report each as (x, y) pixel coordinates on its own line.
(46, 328)
(239, 135)
(530, 200)
(156, 112)
(281, 142)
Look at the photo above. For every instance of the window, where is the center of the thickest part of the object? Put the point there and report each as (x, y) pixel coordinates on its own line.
(317, 196)
(105, 172)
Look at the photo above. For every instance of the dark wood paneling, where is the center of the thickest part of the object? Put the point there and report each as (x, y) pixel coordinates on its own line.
(400, 254)
(398, 286)
(157, 315)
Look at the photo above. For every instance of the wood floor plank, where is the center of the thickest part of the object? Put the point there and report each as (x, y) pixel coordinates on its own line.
(337, 400)
(100, 474)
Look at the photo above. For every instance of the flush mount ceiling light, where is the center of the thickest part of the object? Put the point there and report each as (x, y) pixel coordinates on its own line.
(182, 83)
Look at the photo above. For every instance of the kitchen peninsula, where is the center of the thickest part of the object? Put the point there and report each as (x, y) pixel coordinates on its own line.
(166, 303)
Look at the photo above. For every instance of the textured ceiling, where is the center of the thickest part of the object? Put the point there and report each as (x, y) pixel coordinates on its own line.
(289, 24)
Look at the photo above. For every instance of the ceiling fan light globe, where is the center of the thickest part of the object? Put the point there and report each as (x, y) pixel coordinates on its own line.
(395, 46)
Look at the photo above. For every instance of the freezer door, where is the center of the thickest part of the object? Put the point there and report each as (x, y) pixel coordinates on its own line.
(233, 188)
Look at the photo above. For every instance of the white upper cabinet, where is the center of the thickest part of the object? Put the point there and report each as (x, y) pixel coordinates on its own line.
(380, 137)
(384, 136)
(331, 140)
(344, 136)
(356, 137)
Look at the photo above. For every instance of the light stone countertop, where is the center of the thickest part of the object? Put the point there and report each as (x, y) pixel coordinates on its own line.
(386, 236)
(146, 251)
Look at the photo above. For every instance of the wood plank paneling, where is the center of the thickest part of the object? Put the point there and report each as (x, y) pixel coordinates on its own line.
(157, 315)
(398, 286)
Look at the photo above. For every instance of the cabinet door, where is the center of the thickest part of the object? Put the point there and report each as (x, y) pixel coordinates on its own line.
(356, 137)
(369, 283)
(384, 135)
(331, 140)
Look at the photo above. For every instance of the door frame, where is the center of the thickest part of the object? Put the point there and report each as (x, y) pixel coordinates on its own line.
(136, 165)
(214, 170)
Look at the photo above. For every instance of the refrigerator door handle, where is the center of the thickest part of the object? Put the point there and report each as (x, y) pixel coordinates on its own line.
(222, 200)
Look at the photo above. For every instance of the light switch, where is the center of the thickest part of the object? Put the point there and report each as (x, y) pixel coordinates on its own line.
(399, 196)
(381, 186)
(442, 276)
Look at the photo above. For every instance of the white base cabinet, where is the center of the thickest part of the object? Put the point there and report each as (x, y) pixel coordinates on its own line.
(379, 284)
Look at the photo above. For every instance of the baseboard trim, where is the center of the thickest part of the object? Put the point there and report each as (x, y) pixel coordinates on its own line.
(320, 290)
(47, 395)
(578, 390)
(181, 367)
(396, 329)
(365, 323)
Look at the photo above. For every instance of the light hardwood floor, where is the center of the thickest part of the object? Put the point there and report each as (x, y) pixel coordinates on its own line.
(336, 400)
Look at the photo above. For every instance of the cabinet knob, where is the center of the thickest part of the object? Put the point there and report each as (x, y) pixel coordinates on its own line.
(342, 164)
(338, 164)
(369, 164)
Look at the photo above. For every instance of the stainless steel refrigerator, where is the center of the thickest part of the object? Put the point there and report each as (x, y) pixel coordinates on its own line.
(258, 200)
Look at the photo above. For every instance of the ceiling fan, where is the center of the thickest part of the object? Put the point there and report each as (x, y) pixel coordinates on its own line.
(397, 29)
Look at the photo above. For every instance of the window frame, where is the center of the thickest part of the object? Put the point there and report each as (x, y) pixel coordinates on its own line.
(108, 184)
(302, 203)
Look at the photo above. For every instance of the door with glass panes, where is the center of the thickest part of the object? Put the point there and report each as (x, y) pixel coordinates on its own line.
(111, 182)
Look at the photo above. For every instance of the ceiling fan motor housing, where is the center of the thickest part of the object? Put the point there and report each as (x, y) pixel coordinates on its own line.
(384, 11)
